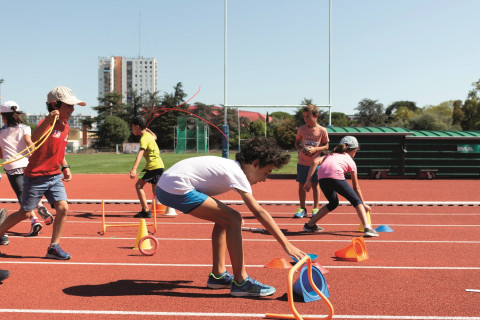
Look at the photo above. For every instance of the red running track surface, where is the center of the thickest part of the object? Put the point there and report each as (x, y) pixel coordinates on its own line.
(420, 271)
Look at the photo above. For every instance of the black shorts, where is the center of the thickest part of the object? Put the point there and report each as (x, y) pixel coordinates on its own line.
(152, 176)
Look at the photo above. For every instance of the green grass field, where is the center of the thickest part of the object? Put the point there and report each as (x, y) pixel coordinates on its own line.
(122, 163)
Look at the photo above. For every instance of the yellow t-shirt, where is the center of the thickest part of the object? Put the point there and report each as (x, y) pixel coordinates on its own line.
(151, 153)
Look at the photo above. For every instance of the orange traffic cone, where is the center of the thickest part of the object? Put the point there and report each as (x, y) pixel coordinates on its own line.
(369, 221)
(357, 251)
(157, 207)
(142, 232)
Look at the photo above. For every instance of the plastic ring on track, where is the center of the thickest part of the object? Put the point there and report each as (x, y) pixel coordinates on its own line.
(149, 252)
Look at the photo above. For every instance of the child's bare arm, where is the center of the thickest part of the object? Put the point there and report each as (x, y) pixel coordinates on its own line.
(267, 221)
(358, 191)
(316, 162)
(29, 142)
(133, 172)
(44, 126)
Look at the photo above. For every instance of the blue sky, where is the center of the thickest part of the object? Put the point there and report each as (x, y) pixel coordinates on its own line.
(426, 51)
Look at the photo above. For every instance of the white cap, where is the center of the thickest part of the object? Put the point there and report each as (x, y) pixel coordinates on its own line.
(350, 141)
(64, 95)
(6, 107)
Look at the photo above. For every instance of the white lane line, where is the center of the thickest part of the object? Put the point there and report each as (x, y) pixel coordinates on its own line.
(271, 239)
(161, 223)
(120, 264)
(234, 315)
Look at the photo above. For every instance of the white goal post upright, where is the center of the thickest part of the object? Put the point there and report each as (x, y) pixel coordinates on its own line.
(225, 91)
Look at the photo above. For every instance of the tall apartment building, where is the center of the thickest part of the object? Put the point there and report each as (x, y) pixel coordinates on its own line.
(119, 74)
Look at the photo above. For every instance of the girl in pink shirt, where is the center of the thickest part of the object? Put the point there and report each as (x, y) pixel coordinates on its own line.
(331, 175)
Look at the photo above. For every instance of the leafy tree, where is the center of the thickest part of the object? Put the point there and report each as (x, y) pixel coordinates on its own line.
(113, 130)
(370, 113)
(163, 123)
(111, 105)
(285, 133)
(409, 105)
(280, 116)
(471, 109)
(457, 114)
(427, 121)
(402, 115)
(257, 128)
(340, 119)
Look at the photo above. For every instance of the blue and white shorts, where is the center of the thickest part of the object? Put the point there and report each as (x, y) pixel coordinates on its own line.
(183, 202)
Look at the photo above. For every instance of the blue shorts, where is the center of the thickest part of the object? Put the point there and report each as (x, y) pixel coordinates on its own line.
(302, 173)
(49, 186)
(183, 202)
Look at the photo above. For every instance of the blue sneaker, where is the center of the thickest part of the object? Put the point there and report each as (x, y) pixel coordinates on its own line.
(301, 213)
(251, 288)
(223, 281)
(55, 252)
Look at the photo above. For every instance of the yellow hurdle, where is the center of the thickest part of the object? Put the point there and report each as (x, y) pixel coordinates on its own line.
(105, 225)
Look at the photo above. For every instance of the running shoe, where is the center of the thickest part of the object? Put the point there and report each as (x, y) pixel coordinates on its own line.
(143, 214)
(4, 240)
(46, 216)
(301, 213)
(315, 228)
(370, 233)
(35, 229)
(55, 252)
(251, 288)
(314, 211)
(223, 281)
(4, 274)
(3, 215)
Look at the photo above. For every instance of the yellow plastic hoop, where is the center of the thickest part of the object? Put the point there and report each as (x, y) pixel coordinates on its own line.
(44, 137)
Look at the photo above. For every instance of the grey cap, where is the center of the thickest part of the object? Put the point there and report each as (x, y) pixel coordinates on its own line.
(350, 141)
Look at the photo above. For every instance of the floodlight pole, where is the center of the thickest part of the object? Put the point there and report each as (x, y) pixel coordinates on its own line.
(329, 62)
(225, 62)
(225, 129)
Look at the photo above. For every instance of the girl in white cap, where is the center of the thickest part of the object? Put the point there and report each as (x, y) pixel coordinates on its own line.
(15, 137)
(331, 175)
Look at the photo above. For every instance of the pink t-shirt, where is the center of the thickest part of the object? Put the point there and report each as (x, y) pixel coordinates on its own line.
(314, 137)
(336, 165)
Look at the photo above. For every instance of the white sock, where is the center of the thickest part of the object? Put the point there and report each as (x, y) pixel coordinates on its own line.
(367, 226)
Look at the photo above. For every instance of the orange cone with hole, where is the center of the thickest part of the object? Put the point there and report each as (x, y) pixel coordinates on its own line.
(158, 207)
(357, 251)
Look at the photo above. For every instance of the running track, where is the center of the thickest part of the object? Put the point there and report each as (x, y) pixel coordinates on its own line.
(420, 271)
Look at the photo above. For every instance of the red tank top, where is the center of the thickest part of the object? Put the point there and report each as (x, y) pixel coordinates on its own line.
(46, 160)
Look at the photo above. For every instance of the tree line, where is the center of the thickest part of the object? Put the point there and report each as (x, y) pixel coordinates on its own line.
(113, 117)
